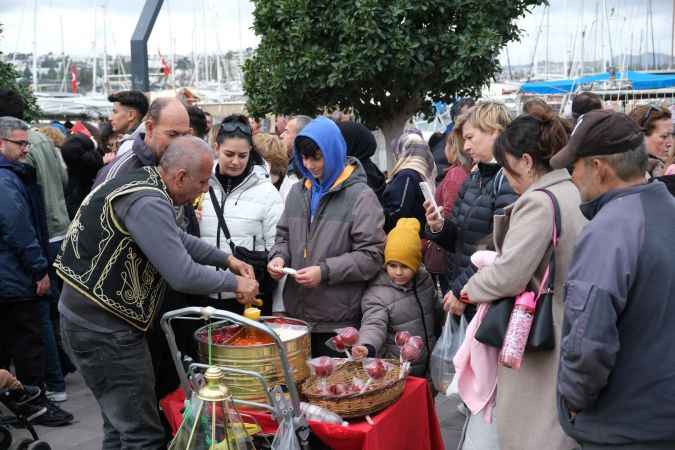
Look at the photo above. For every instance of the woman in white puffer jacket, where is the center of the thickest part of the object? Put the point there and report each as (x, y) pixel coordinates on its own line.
(250, 203)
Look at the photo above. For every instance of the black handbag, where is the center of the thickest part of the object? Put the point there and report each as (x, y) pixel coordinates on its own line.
(256, 258)
(493, 327)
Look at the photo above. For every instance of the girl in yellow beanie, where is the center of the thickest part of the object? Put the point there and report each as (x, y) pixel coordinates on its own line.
(402, 297)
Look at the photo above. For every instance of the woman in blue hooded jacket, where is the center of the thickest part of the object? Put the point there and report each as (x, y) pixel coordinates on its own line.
(331, 232)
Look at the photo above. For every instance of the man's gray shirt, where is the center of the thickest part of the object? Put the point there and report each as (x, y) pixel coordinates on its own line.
(177, 256)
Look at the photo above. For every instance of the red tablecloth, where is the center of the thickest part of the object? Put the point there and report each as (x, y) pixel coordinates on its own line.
(409, 424)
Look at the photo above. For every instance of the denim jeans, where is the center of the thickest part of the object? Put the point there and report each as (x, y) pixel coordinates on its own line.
(118, 369)
(53, 375)
(55, 292)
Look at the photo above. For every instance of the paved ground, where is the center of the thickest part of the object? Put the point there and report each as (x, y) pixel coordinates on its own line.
(86, 432)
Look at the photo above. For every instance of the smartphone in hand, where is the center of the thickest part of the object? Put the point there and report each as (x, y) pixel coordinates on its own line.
(429, 196)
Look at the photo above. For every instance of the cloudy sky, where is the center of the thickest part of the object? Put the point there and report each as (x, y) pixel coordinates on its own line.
(221, 25)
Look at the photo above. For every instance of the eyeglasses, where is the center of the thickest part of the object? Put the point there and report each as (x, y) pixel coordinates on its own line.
(648, 113)
(232, 127)
(22, 144)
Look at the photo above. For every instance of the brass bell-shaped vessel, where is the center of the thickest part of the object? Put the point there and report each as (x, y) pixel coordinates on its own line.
(210, 420)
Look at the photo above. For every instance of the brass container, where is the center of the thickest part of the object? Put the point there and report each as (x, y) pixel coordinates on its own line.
(261, 358)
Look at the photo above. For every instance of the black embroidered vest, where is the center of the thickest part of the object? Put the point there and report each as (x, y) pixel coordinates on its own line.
(101, 260)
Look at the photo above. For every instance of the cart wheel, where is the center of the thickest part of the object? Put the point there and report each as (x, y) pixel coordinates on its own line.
(24, 443)
(38, 445)
(5, 438)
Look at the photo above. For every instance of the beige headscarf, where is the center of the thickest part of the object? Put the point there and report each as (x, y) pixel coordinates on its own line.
(411, 152)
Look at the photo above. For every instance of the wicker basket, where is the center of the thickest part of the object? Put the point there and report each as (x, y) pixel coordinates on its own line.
(380, 394)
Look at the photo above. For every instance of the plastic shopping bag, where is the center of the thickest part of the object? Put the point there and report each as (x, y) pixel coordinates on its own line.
(285, 437)
(442, 368)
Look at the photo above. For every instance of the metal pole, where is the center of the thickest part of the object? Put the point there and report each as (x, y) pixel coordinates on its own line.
(35, 55)
(672, 39)
(139, 45)
(105, 50)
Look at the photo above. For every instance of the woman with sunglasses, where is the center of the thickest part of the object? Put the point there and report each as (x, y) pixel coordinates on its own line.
(242, 194)
(656, 122)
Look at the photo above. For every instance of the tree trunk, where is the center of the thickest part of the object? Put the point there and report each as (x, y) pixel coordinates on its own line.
(392, 129)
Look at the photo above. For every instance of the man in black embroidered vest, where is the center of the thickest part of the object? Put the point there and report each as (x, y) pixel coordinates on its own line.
(122, 249)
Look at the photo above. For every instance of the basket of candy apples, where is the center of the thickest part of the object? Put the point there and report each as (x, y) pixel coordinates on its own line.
(352, 388)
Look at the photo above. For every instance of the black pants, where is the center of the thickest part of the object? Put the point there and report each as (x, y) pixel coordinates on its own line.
(21, 340)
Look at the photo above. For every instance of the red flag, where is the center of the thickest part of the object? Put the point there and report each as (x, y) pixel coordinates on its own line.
(73, 79)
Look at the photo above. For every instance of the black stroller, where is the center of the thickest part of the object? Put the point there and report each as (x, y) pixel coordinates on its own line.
(17, 401)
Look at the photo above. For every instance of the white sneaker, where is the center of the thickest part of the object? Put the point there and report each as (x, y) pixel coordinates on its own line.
(57, 397)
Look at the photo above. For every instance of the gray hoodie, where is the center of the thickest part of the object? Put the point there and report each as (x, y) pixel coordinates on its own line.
(345, 239)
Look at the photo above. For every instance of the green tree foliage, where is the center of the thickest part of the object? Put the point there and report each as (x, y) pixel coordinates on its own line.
(386, 59)
(8, 80)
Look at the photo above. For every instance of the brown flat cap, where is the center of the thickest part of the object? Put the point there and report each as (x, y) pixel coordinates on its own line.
(599, 132)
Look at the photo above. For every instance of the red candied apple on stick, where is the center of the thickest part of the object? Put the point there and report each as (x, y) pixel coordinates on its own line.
(322, 367)
(409, 353)
(416, 341)
(345, 338)
(376, 369)
(401, 338)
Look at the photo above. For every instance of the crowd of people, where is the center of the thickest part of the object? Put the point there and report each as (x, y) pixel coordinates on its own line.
(104, 228)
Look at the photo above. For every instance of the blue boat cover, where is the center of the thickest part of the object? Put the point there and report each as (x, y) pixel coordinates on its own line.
(640, 80)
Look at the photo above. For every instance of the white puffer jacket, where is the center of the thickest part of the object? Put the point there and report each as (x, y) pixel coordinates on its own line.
(251, 212)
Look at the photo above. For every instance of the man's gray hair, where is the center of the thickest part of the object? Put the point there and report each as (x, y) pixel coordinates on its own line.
(627, 165)
(9, 124)
(301, 121)
(185, 152)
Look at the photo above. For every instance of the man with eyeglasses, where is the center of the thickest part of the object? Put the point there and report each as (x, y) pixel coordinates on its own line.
(52, 177)
(24, 267)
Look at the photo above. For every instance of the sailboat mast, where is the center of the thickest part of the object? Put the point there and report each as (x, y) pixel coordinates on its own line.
(207, 69)
(672, 38)
(63, 57)
(105, 49)
(596, 41)
(651, 27)
(609, 34)
(548, 32)
(241, 46)
(35, 56)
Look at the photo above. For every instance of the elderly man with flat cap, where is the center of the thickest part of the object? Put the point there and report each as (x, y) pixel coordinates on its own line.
(616, 381)
(122, 250)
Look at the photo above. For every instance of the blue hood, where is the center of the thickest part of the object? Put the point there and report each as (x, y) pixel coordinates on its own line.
(328, 137)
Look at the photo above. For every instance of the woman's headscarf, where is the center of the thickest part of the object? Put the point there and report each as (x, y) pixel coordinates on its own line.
(411, 152)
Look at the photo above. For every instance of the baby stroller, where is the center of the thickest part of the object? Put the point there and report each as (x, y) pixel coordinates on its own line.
(18, 402)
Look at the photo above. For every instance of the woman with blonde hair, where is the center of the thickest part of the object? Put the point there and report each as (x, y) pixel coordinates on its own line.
(414, 163)
(484, 193)
(271, 148)
(436, 259)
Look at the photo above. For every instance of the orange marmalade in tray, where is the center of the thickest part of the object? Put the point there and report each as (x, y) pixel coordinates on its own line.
(240, 336)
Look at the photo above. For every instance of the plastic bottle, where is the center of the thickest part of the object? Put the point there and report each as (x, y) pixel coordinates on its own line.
(315, 412)
(518, 331)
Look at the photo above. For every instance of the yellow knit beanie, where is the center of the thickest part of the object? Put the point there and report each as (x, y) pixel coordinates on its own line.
(403, 244)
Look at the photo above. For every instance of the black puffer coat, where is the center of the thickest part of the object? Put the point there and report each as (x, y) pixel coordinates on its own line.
(485, 193)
